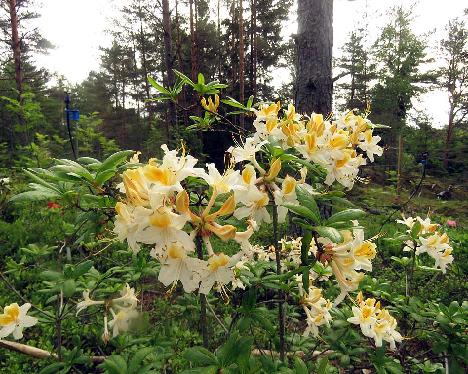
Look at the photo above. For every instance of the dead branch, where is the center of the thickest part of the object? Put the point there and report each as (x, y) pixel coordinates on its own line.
(37, 352)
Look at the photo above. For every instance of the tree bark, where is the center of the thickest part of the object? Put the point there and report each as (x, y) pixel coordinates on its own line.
(314, 56)
(253, 48)
(218, 68)
(241, 59)
(183, 94)
(172, 113)
(16, 47)
(193, 45)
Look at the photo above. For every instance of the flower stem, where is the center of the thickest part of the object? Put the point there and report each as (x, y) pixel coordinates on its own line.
(203, 326)
(410, 273)
(280, 292)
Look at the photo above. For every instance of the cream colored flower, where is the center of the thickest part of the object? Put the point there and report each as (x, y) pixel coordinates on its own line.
(287, 195)
(316, 308)
(14, 319)
(165, 227)
(121, 320)
(87, 302)
(218, 271)
(179, 266)
(247, 151)
(375, 322)
(369, 144)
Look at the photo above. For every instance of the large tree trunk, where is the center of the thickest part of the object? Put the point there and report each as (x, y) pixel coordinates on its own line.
(218, 68)
(241, 59)
(16, 47)
(193, 45)
(172, 114)
(314, 56)
(183, 94)
(253, 48)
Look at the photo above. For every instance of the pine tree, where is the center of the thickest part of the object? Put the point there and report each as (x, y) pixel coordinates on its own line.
(454, 79)
(357, 72)
(400, 55)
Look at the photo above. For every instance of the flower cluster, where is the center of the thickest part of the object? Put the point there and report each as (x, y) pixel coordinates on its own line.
(331, 144)
(429, 241)
(375, 321)
(157, 211)
(159, 208)
(348, 259)
(123, 310)
(14, 319)
(316, 308)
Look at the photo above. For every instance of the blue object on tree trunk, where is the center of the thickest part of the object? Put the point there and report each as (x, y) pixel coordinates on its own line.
(74, 114)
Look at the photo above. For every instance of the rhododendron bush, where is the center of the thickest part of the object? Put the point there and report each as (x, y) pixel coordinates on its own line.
(269, 242)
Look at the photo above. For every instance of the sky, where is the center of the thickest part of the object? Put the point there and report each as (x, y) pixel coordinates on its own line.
(78, 28)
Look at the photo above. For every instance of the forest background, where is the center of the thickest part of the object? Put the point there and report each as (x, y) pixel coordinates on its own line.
(242, 44)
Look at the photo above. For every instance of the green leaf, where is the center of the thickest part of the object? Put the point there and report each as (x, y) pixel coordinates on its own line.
(233, 102)
(114, 160)
(104, 176)
(88, 160)
(200, 356)
(41, 181)
(415, 230)
(34, 196)
(70, 166)
(212, 369)
(228, 352)
(114, 365)
(134, 365)
(346, 215)
(69, 287)
(156, 85)
(250, 101)
(50, 275)
(82, 268)
(53, 368)
(201, 79)
(307, 199)
(299, 366)
(263, 320)
(330, 233)
(322, 365)
(303, 212)
(184, 77)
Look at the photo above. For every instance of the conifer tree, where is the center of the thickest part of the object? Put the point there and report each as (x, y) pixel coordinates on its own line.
(454, 79)
(357, 71)
(400, 55)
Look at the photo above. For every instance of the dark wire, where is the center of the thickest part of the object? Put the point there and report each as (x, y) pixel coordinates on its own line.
(67, 109)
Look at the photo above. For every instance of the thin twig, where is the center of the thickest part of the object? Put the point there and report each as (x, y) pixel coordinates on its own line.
(21, 297)
(216, 317)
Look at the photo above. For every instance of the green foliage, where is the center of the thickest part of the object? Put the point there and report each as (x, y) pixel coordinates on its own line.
(232, 357)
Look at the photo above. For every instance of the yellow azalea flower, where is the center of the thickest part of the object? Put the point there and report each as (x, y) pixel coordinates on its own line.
(316, 124)
(275, 168)
(135, 187)
(375, 322)
(339, 140)
(177, 266)
(211, 106)
(218, 271)
(14, 319)
(122, 319)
